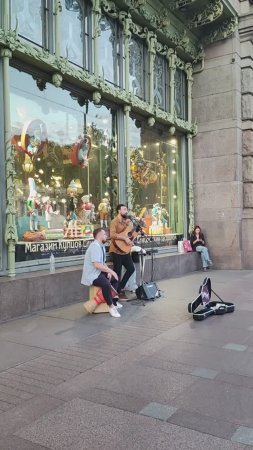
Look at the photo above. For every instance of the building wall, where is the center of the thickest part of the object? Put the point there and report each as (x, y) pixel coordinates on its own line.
(217, 152)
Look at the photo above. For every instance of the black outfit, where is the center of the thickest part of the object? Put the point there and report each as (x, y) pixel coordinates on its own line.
(126, 261)
(193, 238)
(103, 282)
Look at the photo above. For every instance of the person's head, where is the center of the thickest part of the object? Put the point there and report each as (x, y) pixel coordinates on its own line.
(100, 235)
(197, 229)
(122, 210)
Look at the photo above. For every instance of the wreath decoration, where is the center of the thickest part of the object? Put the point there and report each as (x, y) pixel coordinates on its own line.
(142, 171)
(80, 151)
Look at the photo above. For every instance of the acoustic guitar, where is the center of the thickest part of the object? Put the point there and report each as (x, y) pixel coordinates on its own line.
(131, 234)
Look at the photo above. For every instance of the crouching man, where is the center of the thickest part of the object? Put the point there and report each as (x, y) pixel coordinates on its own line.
(97, 273)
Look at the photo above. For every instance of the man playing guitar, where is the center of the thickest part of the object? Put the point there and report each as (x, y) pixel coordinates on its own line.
(119, 229)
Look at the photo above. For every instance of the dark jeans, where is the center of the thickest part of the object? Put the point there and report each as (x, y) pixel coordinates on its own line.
(127, 262)
(106, 285)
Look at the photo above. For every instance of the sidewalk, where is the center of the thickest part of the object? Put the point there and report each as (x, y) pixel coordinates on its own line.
(152, 380)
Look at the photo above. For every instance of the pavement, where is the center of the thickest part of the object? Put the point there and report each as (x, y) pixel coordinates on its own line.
(154, 379)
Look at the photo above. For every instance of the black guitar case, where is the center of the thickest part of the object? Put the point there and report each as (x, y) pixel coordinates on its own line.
(209, 308)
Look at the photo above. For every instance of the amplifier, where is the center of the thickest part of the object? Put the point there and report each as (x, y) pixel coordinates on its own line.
(147, 291)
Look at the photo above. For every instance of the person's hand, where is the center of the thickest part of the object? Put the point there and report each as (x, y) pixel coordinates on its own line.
(109, 276)
(114, 275)
(128, 241)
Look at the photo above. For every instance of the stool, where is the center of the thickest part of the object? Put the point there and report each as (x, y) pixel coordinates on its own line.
(96, 303)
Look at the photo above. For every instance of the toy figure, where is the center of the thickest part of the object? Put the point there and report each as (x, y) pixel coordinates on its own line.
(49, 212)
(87, 210)
(155, 213)
(32, 206)
(80, 152)
(104, 209)
(72, 217)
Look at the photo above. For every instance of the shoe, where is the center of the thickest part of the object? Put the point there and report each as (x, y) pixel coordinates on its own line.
(123, 296)
(114, 312)
(205, 269)
(210, 263)
(118, 305)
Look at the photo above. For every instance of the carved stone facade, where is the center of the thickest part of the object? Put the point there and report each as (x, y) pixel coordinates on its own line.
(223, 149)
(172, 37)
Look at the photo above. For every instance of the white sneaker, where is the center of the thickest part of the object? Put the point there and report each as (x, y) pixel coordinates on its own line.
(210, 263)
(114, 312)
(118, 306)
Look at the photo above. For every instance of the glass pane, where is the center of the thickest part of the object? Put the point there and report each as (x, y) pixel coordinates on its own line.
(66, 165)
(73, 32)
(156, 180)
(136, 68)
(109, 50)
(180, 94)
(28, 15)
(159, 81)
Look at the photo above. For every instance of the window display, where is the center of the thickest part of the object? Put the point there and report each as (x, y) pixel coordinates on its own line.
(156, 179)
(66, 168)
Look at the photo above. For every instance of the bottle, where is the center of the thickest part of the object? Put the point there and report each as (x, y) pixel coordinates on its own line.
(52, 263)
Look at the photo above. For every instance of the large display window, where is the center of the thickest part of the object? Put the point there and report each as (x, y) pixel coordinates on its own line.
(156, 178)
(66, 167)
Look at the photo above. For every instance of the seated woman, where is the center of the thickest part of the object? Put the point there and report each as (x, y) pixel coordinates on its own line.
(198, 245)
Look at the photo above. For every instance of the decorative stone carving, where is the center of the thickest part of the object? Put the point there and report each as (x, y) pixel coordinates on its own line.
(208, 14)
(96, 97)
(57, 79)
(151, 121)
(172, 131)
(226, 29)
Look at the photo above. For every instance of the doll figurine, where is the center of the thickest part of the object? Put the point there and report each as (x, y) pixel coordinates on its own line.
(49, 212)
(104, 209)
(72, 217)
(87, 210)
(32, 206)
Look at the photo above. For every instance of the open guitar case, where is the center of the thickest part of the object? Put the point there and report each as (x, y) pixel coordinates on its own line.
(202, 307)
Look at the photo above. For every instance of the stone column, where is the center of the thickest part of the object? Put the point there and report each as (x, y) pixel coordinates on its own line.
(10, 229)
(217, 152)
(189, 71)
(96, 12)
(129, 192)
(125, 19)
(57, 22)
(190, 185)
(172, 58)
(152, 41)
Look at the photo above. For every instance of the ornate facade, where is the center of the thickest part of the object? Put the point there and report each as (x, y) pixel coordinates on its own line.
(119, 73)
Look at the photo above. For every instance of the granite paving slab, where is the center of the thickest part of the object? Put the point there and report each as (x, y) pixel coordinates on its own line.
(13, 353)
(80, 424)
(205, 424)
(158, 411)
(16, 443)
(244, 435)
(218, 400)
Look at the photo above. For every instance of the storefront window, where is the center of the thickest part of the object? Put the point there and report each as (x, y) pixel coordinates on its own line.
(181, 94)
(66, 166)
(156, 170)
(111, 51)
(160, 82)
(76, 32)
(138, 68)
(29, 15)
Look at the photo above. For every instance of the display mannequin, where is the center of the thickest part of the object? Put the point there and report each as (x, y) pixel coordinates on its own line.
(32, 206)
(104, 209)
(87, 210)
(72, 216)
(49, 212)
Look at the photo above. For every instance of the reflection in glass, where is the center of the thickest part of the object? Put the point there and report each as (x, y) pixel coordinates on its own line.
(180, 94)
(110, 50)
(75, 25)
(28, 15)
(137, 68)
(156, 179)
(159, 81)
(51, 134)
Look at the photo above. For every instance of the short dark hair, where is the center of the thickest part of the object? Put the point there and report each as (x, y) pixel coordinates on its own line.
(119, 206)
(96, 231)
